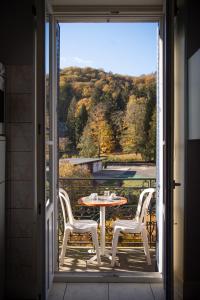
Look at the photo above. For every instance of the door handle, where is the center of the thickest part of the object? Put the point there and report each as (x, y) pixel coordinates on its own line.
(175, 184)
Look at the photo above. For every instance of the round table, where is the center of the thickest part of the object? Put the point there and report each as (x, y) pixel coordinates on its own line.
(102, 202)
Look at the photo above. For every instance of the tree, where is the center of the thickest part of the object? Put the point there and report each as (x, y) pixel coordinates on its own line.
(132, 136)
(98, 132)
(64, 146)
(87, 144)
(117, 111)
(65, 96)
(150, 153)
(96, 94)
(71, 122)
(81, 121)
(116, 119)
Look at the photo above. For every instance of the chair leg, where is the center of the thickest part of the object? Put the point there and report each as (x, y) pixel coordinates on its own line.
(114, 245)
(64, 246)
(96, 244)
(146, 246)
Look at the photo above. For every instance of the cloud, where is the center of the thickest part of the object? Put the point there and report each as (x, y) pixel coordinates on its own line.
(63, 59)
(75, 60)
(82, 61)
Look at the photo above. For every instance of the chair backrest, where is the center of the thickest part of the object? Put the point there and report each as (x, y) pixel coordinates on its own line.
(66, 206)
(143, 204)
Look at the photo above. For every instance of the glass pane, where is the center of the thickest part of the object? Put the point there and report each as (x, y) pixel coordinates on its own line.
(48, 147)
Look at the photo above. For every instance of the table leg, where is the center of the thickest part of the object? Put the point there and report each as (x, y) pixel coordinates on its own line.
(102, 229)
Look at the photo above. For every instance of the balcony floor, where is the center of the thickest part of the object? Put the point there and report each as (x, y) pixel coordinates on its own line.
(106, 291)
(131, 259)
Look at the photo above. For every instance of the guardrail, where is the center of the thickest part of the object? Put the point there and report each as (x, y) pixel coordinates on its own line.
(127, 163)
(129, 188)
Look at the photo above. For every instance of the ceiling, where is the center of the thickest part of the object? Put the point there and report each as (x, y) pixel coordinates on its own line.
(112, 9)
(106, 2)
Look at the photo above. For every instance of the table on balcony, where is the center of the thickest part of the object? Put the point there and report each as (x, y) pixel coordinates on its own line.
(102, 202)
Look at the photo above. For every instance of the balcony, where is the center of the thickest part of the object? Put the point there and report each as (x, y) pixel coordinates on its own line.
(130, 249)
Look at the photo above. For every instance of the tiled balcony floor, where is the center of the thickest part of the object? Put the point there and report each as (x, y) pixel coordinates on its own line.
(130, 259)
(107, 291)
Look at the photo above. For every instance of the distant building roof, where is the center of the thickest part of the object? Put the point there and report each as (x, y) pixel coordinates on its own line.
(80, 160)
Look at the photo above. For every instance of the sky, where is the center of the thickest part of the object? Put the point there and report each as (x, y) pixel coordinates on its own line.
(122, 48)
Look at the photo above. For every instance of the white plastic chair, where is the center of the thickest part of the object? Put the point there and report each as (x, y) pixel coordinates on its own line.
(77, 226)
(136, 225)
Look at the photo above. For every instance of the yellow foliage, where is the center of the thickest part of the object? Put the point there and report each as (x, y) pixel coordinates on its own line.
(101, 130)
(106, 88)
(73, 171)
(85, 101)
(87, 91)
(125, 157)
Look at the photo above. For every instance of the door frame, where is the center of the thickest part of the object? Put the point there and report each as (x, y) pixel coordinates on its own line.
(102, 17)
(168, 146)
(135, 15)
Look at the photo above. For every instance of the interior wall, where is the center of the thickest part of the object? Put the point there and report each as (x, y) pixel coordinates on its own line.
(179, 147)
(192, 203)
(2, 216)
(17, 53)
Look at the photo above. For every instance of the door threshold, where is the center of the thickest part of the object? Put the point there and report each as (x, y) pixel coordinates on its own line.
(137, 277)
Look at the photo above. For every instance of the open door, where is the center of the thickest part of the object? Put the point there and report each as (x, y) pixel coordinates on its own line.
(174, 147)
(51, 52)
(49, 189)
(168, 149)
(159, 153)
(180, 84)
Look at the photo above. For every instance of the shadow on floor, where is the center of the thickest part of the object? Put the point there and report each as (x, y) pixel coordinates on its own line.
(130, 260)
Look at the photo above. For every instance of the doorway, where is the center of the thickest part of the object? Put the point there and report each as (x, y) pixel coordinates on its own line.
(147, 181)
(107, 132)
(145, 16)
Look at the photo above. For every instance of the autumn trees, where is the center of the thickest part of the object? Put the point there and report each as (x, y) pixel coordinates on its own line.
(103, 113)
(97, 137)
(132, 135)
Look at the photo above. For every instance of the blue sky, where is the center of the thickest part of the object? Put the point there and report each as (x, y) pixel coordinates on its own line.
(123, 48)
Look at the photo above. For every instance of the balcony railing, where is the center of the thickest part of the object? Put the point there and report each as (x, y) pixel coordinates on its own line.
(129, 188)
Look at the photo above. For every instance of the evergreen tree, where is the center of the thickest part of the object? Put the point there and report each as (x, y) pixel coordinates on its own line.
(65, 96)
(81, 121)
(96, 95)
(151, 149)
(132, 136)
(100, 131)
(87, 145)
(71, 123)
(117, 112)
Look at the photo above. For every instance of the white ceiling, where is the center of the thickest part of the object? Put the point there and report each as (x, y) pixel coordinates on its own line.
(106, 2)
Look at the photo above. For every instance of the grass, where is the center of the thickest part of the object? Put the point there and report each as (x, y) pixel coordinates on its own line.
(123, 157)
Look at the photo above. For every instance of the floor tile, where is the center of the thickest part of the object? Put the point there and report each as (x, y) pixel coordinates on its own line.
(57, 292)
(158, 291)
(130, 291)
(86, 291)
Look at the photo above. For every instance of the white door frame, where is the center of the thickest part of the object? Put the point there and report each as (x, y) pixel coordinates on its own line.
(54, 132)
(159, 154)
(131, 15)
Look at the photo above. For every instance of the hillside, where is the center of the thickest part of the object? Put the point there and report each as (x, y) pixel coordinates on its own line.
(100, 113)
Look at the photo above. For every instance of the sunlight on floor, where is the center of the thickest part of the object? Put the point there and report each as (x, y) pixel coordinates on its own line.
(130, 259)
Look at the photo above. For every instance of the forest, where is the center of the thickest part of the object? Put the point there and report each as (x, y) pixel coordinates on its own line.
(101, 113)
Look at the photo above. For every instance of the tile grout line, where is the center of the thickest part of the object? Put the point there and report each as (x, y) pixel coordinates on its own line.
(65, 292)
(152, 291)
